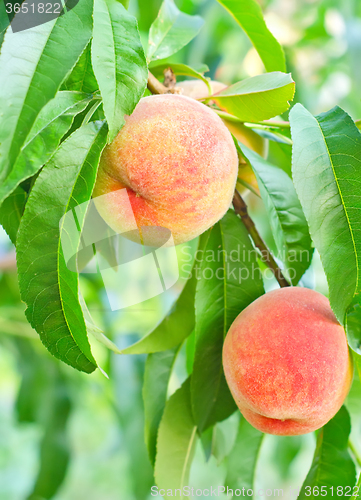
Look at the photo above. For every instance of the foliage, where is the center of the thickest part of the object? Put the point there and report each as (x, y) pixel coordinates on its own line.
(66, 87)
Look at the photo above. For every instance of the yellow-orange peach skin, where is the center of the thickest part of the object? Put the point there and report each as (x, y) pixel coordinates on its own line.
(287, 363)
(179, 165)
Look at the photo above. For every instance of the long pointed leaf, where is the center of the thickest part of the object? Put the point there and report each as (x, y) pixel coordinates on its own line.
(258, 98)
(53, 121)
(327, 176)
(47, 286)
(230, 281)
(118, 61)
(248, 14)
(33, 64)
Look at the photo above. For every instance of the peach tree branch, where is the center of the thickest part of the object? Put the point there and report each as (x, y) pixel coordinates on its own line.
(241, 209)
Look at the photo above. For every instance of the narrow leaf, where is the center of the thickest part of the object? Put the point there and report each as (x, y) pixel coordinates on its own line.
(53, 121)
(118, 61)
(171, 31)
(288, 222)
(248, 14)
(47, 286)
(332, 465)
(242, 461)
(158, 369)
(176, 442)
(33, 64)
(258, 98)
(326, 170)
(230, 281)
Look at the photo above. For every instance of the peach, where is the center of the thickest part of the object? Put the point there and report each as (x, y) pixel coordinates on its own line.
(178, 163)
(287, 363)
(197, 89)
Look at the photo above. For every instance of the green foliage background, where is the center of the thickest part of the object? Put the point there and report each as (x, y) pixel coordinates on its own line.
(67, 435)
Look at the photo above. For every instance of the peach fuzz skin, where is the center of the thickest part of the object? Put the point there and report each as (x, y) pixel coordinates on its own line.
(287, 363)
(179, 165)
(197, 89)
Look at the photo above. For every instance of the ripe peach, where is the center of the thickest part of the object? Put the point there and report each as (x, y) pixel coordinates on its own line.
(197, 89)
(179, 165)
(287, 363)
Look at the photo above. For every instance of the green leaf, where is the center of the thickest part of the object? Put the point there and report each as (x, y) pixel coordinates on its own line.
(332, 465)
(230, 280)
(177, 325)
(171, 31)
(158, 369)
(242, 461)
(327, 175)
(11, 212)
(54, 449)
(248, 14)
(177, 437)
(179, 69)
(118, 61)
(53, 121)
(33, 64)
(47, 286)
(82, 78)
(4, 22)
(288, 222)
(258, 98)
(224, 437)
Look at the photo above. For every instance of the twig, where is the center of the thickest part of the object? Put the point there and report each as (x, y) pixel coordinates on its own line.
(240, 208)
(169, 79)
(156, 87)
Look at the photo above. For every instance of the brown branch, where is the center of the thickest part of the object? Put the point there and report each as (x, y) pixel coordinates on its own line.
(240, 208)
(156, 87)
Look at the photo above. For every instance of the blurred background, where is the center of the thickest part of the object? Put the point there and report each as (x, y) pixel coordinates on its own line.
(66, 435)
